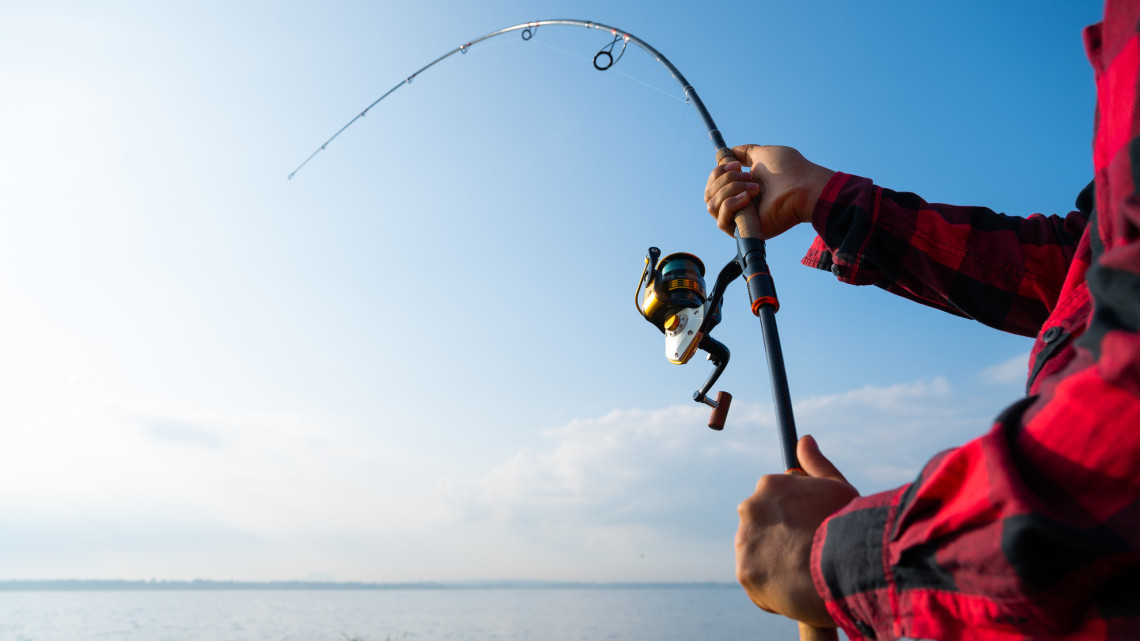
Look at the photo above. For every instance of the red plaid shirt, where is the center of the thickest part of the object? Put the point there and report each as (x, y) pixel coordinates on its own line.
(1031, 531)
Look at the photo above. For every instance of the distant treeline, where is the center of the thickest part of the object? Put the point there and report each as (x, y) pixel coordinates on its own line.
(204, 584)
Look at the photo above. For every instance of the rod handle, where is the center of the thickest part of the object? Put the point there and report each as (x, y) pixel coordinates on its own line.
(748, 226)
(810, 632)
(747, 219)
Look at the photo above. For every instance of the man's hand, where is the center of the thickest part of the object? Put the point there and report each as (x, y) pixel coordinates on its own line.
(788, 185)
(777, 525)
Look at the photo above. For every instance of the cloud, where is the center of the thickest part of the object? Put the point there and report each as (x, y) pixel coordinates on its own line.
(662, 468)
(626, 467)
(605, 490)
(904, 399)
(1010, 372)
(176, 431)
(880, 436)
(634, 494)
(248, 472)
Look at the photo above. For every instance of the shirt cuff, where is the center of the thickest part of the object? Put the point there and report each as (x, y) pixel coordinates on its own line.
(849, 568)
(844, 219)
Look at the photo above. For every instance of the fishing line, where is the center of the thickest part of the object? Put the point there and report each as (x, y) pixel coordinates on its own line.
(672, 161)
(617, 71)
(675, 300)
(603, 60)
(653, 87)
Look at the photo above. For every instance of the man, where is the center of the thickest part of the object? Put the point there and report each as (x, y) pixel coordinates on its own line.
(1033, 529)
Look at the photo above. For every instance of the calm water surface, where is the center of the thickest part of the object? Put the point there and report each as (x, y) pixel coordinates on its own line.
(681, 614)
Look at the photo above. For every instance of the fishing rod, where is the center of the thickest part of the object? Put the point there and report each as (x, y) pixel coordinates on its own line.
(675, 300)
(603, 60)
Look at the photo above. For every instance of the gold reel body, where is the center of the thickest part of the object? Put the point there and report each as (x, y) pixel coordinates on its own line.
(677, 282)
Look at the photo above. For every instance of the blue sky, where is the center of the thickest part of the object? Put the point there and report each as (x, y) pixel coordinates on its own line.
(419, 359)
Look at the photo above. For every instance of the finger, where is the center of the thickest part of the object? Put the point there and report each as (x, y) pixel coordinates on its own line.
(727, 186)
(729, 190)
(730, 185)
(720, 175)
(815, 463)
(726, 212)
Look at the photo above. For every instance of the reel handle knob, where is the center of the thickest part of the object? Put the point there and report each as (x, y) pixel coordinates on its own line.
(716, 419)
(747, 219)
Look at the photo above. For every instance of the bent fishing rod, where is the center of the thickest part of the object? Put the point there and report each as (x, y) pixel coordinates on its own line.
(675, 299)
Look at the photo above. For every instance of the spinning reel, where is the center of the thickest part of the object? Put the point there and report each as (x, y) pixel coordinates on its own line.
(675, 303)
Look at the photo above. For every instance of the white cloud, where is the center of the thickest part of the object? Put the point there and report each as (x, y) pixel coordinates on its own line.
(618, 468)
(880, 437)
(258, 473)
(664, 472)
(1009, 372)
(630, 495)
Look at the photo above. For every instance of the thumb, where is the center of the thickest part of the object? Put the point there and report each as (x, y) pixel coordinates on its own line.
(744, 154)
(814, 462)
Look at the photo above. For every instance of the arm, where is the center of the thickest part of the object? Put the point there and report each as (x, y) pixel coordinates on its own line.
(1032, 530)
(1002, 270)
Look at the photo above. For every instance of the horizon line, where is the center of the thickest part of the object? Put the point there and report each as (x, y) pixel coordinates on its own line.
(15, 585)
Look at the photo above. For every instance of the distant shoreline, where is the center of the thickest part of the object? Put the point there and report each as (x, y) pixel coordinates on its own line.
(77, 585)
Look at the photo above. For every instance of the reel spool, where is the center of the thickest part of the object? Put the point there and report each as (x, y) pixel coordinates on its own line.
(675, 288)
(675, 302)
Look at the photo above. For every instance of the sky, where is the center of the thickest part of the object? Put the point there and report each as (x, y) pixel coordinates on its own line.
(418, 359)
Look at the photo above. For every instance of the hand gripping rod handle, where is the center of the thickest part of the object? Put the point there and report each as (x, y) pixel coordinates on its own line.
(762, 292)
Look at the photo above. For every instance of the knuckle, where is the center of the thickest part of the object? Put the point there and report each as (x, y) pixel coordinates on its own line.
(750, 578)
(742, 576)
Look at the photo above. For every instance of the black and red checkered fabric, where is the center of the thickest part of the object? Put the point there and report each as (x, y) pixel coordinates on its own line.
(1031, 531)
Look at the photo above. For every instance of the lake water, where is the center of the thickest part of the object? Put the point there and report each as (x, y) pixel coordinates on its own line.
(658, 614)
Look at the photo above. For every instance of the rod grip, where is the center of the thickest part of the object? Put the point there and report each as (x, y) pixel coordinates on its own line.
(810, 632)
(747, 219)
(763, 293)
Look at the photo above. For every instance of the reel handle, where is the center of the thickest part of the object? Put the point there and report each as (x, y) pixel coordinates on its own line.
(747, 219)
(720, 412)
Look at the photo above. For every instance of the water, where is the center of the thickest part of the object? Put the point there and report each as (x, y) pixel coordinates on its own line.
(658, 614)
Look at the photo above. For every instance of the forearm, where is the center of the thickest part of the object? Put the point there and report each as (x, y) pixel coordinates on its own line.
(1003, 271)
(1026, 531)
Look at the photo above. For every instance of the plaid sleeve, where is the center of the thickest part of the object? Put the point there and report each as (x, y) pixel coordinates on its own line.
(1031, 531)
(1004, 271)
